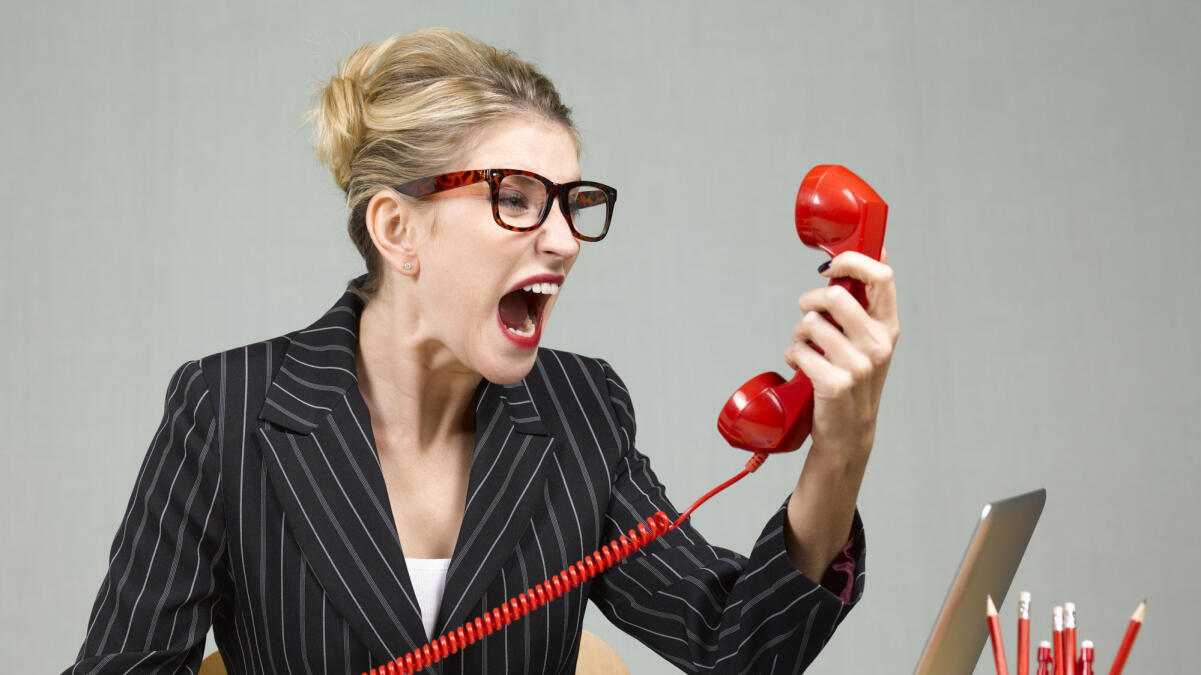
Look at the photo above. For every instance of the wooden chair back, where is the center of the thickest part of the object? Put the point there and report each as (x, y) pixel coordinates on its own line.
(596, 658)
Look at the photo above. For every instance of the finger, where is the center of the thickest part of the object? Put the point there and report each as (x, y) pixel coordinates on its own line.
(883, 255)
(876, 276)
(870, 336)
(838, 350)
(842, 308)
(825, 376)
(855, 265)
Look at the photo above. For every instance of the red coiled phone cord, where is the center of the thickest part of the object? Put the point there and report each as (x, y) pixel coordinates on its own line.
(533, 598)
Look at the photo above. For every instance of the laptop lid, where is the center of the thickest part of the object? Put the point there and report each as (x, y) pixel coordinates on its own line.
(988, 567)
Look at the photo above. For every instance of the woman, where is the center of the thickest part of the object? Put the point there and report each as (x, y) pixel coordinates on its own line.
(330, 499)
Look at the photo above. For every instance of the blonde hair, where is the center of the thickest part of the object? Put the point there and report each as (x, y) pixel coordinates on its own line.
(407, 107)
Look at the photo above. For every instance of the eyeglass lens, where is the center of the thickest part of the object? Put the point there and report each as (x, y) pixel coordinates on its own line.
(521, 199)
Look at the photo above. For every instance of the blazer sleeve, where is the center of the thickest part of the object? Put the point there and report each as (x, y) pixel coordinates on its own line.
(704, 608)
(156, 602)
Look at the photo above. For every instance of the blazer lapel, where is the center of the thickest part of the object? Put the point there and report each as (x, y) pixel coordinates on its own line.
(321, 456)
(508, 470)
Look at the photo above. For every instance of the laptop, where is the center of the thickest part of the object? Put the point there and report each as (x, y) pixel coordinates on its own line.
(988, 567)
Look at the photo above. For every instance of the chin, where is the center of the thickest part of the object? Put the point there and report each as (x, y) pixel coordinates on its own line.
(510, 370)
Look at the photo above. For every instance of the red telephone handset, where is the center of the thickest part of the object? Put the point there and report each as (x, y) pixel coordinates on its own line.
(836, 211)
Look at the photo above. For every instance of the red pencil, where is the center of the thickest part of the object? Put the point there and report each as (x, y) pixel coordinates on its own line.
(1069, 636)
(1136, 622)
(994, 631)
(1057, 640)
(1044, 658)
(1086, 658)
(1024, 633)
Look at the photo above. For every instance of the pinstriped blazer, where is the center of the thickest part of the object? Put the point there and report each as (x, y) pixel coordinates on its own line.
(261, 510)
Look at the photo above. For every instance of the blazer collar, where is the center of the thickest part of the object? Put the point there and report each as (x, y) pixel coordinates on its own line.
(319, 368)
(320, 454)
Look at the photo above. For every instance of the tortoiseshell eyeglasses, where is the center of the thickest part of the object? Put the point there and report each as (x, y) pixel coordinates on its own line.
(521, 200)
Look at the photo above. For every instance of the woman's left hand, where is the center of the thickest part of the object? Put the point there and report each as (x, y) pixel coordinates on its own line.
(848, 377)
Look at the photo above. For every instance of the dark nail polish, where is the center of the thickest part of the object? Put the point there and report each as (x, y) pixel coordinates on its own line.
(824, 266)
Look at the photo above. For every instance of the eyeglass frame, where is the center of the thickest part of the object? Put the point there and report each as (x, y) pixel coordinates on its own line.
(423, 187)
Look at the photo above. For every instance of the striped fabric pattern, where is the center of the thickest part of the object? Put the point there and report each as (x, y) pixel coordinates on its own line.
(261, 510)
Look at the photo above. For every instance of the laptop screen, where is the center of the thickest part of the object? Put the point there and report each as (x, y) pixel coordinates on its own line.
(992, 558)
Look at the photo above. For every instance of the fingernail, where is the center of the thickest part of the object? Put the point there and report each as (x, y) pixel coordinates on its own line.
(824, 266)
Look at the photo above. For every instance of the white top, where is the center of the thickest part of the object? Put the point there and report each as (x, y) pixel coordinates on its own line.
(429, 581)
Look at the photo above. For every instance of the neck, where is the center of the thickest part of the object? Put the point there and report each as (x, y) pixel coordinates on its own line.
(420, 398)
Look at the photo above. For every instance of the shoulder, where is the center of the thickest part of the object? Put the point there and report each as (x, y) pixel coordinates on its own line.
(244, 365)
(319, 357)
(587, 384)
(237, 381)
(557, 366)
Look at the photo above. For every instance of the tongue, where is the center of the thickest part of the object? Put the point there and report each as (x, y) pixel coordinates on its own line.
(513, 310)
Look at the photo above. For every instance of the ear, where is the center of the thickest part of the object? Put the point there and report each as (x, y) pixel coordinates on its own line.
(394, 225)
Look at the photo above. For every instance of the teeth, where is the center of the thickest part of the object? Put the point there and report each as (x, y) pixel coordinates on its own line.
(527, 329)
(544, 288)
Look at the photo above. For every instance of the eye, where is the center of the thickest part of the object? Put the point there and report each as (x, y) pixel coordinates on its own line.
(512, 200)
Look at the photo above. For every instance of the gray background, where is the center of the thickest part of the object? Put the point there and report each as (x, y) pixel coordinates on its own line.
(160, 202)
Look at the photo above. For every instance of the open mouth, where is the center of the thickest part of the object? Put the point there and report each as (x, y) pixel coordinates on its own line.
(521, 310)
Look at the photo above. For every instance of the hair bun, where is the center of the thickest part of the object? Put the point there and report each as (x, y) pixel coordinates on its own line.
(340, 126)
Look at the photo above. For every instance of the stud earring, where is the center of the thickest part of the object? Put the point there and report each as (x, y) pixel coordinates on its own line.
(408, 266)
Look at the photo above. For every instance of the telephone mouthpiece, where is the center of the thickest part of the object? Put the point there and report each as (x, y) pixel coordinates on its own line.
(768, 414)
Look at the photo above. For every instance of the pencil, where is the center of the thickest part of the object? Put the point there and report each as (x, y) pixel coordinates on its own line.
(1044, 657)
(1136, 622)
(1069, 636)
(1086, 657)
(1057, 640)
(1024, 633)
(994, 631)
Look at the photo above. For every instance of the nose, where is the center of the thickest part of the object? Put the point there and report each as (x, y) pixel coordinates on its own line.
(555, 236)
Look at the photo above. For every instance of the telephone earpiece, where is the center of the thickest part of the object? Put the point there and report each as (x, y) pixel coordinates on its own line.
(836, 211)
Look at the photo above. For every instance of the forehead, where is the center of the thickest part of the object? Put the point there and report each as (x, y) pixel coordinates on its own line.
(531, 144)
